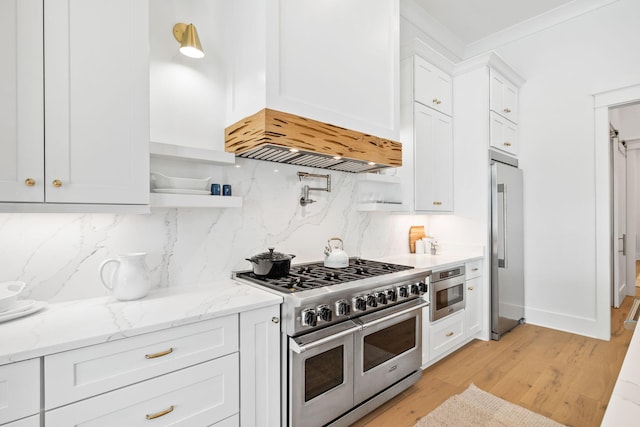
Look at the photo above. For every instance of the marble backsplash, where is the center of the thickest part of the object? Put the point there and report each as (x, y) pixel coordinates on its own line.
(58, 255)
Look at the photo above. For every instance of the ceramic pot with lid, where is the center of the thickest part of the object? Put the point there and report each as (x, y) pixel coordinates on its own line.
(271, 264)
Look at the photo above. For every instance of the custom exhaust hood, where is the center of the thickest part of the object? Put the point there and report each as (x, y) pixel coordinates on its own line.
(286, 138)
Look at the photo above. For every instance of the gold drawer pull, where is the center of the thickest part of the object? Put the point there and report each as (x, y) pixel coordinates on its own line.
(30, 182)
(57, 183)
(506, 110)
(474, 269)
(470, 288)
(436, 101)
(160, 354)
(449, 334)
(437, 203)
(507, 144)
(159, 414)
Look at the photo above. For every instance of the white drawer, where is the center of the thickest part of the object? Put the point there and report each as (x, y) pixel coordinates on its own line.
(19, 390)
(200, 395)
(88, 371)
(473, 269)
(32, 421)
(446, 334)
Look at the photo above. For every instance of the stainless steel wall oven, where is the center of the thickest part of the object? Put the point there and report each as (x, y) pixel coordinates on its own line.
(348, 347)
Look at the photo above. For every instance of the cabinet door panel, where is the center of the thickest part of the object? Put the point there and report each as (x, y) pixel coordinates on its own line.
(19, 390)
(97, 101)
(503, 96)
(432, 86)
(504, 134)
(473, 309)
(433, 160)
(21, 101)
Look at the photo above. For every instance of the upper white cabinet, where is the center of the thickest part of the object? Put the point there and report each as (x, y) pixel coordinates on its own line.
(335, 62)
(503, 97)
(21, 101)
(504, 134)
(432, 86)
(95, 96)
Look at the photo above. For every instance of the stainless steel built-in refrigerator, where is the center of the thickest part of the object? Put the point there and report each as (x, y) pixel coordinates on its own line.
(507, 263)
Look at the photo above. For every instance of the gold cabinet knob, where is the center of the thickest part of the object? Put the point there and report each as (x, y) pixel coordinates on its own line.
(470, 288)
(30, 182)
(57, 183)
(436, 101)
(507, 144)
(506, 110)
(449, 334)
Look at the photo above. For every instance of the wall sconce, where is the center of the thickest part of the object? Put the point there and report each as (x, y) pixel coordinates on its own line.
(187, 36)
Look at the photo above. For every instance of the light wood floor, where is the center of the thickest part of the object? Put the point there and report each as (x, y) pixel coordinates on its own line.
(566, 377)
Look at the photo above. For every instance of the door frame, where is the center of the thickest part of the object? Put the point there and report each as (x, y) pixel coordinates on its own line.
(603, 262)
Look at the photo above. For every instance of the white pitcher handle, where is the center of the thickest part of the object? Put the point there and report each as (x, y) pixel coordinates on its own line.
(101, 270)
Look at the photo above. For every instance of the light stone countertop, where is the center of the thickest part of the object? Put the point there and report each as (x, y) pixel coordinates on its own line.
(624, 406)
(73, 324)
(433, 262)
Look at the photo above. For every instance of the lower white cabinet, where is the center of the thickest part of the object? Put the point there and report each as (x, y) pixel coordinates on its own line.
(446, 334)
(19, 391)
(199, 395)
(33, 421)
(473, 310)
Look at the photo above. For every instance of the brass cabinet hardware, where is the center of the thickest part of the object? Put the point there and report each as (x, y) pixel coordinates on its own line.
(436, 101)
(506, 110)
(275, 319)
(30, 182)
(474, 269)
(437, 203)
(470, 288)
(507, 144)
(449, 334)
(160, 354)
(57, 183)
(159, 414)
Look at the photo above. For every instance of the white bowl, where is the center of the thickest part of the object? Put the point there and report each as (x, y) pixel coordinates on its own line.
(168, 182)
(9, 292)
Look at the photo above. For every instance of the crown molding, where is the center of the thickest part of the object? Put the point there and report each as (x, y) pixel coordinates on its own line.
(534, 25)
(492, 60)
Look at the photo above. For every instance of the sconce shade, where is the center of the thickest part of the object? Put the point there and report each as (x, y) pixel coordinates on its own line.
(189, 41)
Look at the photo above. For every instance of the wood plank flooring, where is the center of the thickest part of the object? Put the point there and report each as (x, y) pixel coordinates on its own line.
(566, 377)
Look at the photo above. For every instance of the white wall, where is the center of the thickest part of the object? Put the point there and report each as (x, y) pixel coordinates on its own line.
(563, 66)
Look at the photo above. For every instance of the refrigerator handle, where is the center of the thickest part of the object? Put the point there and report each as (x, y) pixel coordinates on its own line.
(502, 238)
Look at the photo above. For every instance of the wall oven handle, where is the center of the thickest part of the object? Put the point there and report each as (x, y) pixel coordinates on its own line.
(396, 314)
(297, 348)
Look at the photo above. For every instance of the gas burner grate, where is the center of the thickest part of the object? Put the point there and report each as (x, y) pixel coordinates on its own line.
(302, 277)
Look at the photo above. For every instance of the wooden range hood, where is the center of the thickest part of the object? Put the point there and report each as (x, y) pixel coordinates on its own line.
(286, 138)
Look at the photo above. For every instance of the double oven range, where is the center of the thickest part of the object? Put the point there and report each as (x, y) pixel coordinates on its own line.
(351, 337)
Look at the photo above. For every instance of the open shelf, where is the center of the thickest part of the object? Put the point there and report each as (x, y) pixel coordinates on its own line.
(200, 155)
(162, 200)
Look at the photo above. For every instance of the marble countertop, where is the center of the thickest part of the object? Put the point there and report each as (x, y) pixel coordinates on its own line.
(624, 406)
(67, 325)
(432, 262)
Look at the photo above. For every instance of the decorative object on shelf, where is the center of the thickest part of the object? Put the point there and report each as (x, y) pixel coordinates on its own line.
(163, 183)
(305, 200)
(226, 190)
(187, 36)
(130, 278)
(215, 189)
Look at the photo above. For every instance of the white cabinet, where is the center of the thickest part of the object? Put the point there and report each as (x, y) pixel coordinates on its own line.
(200, 395)
(446, 335)
(433, 163)
(21, 101)
(474, 306)
(432, 86)
(19, 391)
(336, 63)
(504, 134)
(503, 98)
(95, 89)
(33, 421)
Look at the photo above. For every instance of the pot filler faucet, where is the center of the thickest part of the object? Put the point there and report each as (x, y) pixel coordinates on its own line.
(305, 200)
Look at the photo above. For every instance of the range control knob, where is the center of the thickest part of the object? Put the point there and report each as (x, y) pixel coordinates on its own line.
(403, 291)
(392, 295)
(415, 290)
(359, 304)
(372, 301)
(382, 298)
(343, 308)
(424, 288)
(324, 313)
(309, 317)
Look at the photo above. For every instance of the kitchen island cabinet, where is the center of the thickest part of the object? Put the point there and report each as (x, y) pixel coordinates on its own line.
(188, 352)
(80, 132)
(19, 392)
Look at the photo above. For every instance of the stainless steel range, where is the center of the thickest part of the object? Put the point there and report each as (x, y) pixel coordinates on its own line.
(351, 337)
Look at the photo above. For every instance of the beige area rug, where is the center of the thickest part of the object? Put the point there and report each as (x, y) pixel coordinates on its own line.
(477, 408)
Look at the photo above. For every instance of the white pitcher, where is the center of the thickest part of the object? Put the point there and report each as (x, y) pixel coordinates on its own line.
(130, 277)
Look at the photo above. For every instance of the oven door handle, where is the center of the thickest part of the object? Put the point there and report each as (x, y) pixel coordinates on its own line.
(398, 313)
(297, 348)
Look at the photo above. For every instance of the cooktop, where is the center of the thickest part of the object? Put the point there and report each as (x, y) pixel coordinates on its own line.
(313, 275)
